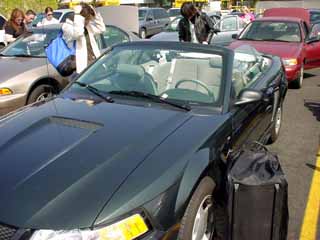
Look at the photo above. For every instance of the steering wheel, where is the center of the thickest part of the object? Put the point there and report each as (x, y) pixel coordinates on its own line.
(195, 82)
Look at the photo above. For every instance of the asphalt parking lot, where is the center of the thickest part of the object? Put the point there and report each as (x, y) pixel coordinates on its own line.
(298, 149)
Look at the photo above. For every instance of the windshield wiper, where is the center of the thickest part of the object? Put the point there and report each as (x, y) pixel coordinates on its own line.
(151, 97)
(95, 91)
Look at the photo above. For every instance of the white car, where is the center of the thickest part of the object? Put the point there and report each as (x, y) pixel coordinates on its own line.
(2, 22)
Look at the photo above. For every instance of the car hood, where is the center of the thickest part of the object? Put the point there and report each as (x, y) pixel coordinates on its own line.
(281, 49)
(13, 66)
(62, 161)
(165, 36)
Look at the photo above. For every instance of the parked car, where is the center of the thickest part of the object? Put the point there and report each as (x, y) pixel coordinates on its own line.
(228, 25)
(152, 21)
(2, 33)
(60, 14)
(127, 149)
(26, 75)
(288, 38)
(173, 13)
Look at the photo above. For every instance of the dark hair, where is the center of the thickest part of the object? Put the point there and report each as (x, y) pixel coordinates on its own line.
(30, 12)
(188, 9)
(87, 12)
(48, 9)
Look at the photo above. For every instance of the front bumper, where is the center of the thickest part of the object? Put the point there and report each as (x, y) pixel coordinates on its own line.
(11, 102)
(292, 72)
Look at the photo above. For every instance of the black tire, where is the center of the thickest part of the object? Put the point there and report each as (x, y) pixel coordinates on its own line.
(298, 82)
(40, 92)
(276, 126)
(143, 33)
(201, 196)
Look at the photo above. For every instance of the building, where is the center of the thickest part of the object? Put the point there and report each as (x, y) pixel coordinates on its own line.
(265, 4)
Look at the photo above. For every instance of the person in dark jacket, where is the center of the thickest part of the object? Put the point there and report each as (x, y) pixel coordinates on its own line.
(195, 26)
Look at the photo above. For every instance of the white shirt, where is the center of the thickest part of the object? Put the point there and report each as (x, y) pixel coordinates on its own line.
(193, 33)
(45, 21)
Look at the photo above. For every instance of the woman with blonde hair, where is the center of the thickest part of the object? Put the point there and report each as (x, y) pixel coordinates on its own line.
(15, 26)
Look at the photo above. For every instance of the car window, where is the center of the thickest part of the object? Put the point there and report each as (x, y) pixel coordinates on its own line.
(242, 23)
(2, 22)
(31, 44)
(173, 25)
(314, 16)
(174, 12)
(248, 66)
(113, 36)
(272, 31)
(178, 75)
(229, 24)
(142, 14)
(315, 31)
(157, 13)
(57, 15)
(69, 15)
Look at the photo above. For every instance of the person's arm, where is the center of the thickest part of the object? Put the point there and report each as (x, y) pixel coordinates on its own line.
(181, 31)
(9, 33)
(97, 24)
(74, 30)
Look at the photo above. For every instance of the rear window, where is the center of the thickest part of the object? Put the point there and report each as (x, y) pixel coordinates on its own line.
(314, 16)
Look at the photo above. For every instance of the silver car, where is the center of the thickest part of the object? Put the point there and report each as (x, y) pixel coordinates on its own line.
(228, 25)
(26, 75)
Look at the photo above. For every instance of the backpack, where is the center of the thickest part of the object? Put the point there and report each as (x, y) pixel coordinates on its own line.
(61, 56)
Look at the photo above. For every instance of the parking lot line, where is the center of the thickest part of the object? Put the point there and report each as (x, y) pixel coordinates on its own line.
(311, 215)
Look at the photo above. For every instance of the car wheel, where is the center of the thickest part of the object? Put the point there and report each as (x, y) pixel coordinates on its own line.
(143, 33)
(299, 80)
(40, 93)
(276, 125)
(197, 222)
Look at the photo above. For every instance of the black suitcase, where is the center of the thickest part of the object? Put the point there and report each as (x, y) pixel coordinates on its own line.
(257, 196)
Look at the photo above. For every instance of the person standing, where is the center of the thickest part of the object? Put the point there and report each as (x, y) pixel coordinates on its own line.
(48, 19)
(195, 26)
(28, 18)
(15, 26)
(248, 16)
(86, 24)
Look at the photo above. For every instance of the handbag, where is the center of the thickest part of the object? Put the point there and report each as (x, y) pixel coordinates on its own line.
(61, 56)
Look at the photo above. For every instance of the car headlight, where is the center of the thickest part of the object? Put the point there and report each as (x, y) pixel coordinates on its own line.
(290, 61)
(126, 229)
(5, 91)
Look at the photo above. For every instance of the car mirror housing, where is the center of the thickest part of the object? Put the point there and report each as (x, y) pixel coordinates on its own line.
(248, 96)
(234, 36)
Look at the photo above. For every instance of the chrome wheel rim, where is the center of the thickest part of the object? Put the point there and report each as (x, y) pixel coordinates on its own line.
(278, 120)
(43, 96)
(200, 229)
(143, 34)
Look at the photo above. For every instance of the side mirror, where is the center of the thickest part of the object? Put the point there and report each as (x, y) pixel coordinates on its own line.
(234, 36)
(248, 96)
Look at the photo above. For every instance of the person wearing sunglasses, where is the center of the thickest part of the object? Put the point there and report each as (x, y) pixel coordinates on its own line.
(15, 26)
(49, 18)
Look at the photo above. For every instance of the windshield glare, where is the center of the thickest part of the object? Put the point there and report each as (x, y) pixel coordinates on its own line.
(31, 44)
(189, 77)
(272, 31)
(173, 25)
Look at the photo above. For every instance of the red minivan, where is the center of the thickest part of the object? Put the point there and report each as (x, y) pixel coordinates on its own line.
(290, 38)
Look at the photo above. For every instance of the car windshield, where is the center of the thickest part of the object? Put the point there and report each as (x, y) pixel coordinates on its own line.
(272, 31)
(173, 25)
(248, 66)
(31, 44)
(142, 14)
(180, 76)
(174, 12)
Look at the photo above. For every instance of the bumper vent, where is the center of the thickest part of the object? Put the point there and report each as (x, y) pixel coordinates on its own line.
(6, 232)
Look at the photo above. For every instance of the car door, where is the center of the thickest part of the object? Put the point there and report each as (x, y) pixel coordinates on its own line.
(312, 47)
(112, 36)
(251, 121)
(228, 26)
(151, 25)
